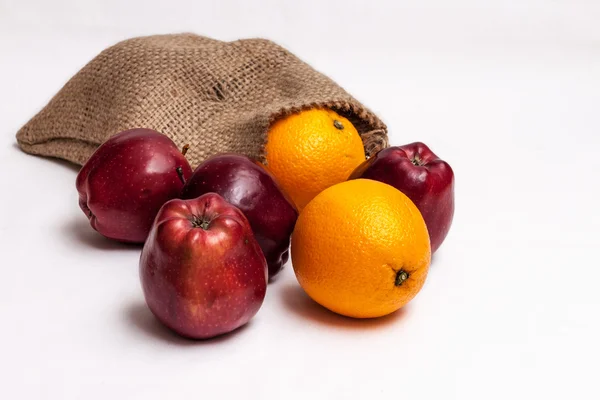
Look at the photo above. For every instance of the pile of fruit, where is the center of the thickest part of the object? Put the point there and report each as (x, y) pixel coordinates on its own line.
(362, 231)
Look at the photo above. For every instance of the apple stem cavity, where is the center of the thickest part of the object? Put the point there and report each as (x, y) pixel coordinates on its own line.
(416, 161)
(401, 276)
(185, 149)
(180, 174)
(198, 222)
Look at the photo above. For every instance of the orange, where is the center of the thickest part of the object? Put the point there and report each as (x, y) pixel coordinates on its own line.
(361, 249)
(311, 150)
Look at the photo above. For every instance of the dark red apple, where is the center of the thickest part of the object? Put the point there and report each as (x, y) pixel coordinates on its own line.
(254, 191)
(202, 272)
(126, 181)
(418, 173)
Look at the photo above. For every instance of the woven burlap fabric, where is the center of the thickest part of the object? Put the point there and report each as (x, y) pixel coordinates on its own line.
(217, 96)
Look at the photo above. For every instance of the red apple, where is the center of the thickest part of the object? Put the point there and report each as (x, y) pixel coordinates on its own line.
(254, 191)
(418, 173)
(202, 272)
(126, 181)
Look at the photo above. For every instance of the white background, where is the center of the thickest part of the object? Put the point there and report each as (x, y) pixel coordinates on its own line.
(507, 91)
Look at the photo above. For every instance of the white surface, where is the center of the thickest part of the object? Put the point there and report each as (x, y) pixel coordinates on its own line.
(507, 92)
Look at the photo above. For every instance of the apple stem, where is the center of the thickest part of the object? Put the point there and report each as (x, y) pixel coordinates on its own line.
(401, 276)
(180, 174)
(185, 149)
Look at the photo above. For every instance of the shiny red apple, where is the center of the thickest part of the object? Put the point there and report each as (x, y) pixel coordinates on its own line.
(202, 272)
(126, 181)
(254, 191)
(421, 175)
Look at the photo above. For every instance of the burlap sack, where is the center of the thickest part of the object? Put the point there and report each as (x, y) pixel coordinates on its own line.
(217, 96)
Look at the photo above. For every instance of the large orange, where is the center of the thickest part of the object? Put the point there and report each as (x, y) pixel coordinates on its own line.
(361, 249)
(311, 150)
